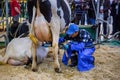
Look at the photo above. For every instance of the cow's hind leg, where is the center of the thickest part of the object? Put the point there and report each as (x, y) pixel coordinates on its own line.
(55, 29)
(15, 62)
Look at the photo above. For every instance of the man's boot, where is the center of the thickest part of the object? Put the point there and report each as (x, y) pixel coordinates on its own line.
(74, 60)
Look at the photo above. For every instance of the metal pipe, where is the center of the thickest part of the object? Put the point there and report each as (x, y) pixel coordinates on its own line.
(5, 38)
(7, 27)
(97, 22)
(94, 6)
(105, 21)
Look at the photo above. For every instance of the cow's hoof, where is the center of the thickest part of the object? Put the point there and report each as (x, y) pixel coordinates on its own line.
(34, 70)
(58, 70)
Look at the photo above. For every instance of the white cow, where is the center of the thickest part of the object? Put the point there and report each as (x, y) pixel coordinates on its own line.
(18, 52)
(47, 19)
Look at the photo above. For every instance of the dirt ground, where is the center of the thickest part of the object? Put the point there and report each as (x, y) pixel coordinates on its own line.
(107, 67)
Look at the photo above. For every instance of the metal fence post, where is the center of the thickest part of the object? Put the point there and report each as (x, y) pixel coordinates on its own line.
(7, 27)
(97, 22)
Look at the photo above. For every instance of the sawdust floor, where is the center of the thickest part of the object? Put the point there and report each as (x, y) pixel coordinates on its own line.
(107, 67)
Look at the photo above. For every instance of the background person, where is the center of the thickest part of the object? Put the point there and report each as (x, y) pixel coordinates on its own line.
(0, 8)
(79, 9)
(106, 8)
(91, 13)
(115, 12)
(15, 10)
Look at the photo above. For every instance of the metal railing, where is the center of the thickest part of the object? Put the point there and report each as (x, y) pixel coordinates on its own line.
(6, 40)
(6, 19)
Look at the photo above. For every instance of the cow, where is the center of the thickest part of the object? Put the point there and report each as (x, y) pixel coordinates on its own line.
(18, 52)
(47, 18)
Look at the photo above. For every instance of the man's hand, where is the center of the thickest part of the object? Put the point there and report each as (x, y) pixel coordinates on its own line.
(17, 10)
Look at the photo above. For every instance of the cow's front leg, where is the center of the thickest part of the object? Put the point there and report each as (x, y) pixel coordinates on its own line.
(34, 58)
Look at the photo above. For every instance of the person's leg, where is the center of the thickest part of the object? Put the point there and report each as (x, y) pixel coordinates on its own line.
(114, 24)
(105, 26)
(83, 18)
(88, 21)
(117, 27)
(77, 18)
(92, 20)
(85, 59)
(16, 18)
(0, 12)
(118, 23)
(74, 59)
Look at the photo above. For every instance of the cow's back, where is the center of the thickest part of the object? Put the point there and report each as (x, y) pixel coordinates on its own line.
(49, 8)
(56, 8)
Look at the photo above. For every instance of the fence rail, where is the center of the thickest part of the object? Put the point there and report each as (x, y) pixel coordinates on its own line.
(4, 19)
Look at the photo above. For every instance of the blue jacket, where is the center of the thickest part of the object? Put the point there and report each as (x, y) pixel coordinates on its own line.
(85, 58)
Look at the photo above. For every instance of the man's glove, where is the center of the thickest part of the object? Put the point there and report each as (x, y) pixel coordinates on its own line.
(66, 46)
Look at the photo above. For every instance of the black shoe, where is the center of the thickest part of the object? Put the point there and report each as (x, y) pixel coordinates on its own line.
(93, 61)
(74, 61)
(73, 65)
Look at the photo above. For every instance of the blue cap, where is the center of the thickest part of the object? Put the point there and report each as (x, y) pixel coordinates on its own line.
(72, 29)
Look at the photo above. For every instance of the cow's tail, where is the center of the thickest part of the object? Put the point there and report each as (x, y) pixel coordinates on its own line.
(38, 8)
(33, 19)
